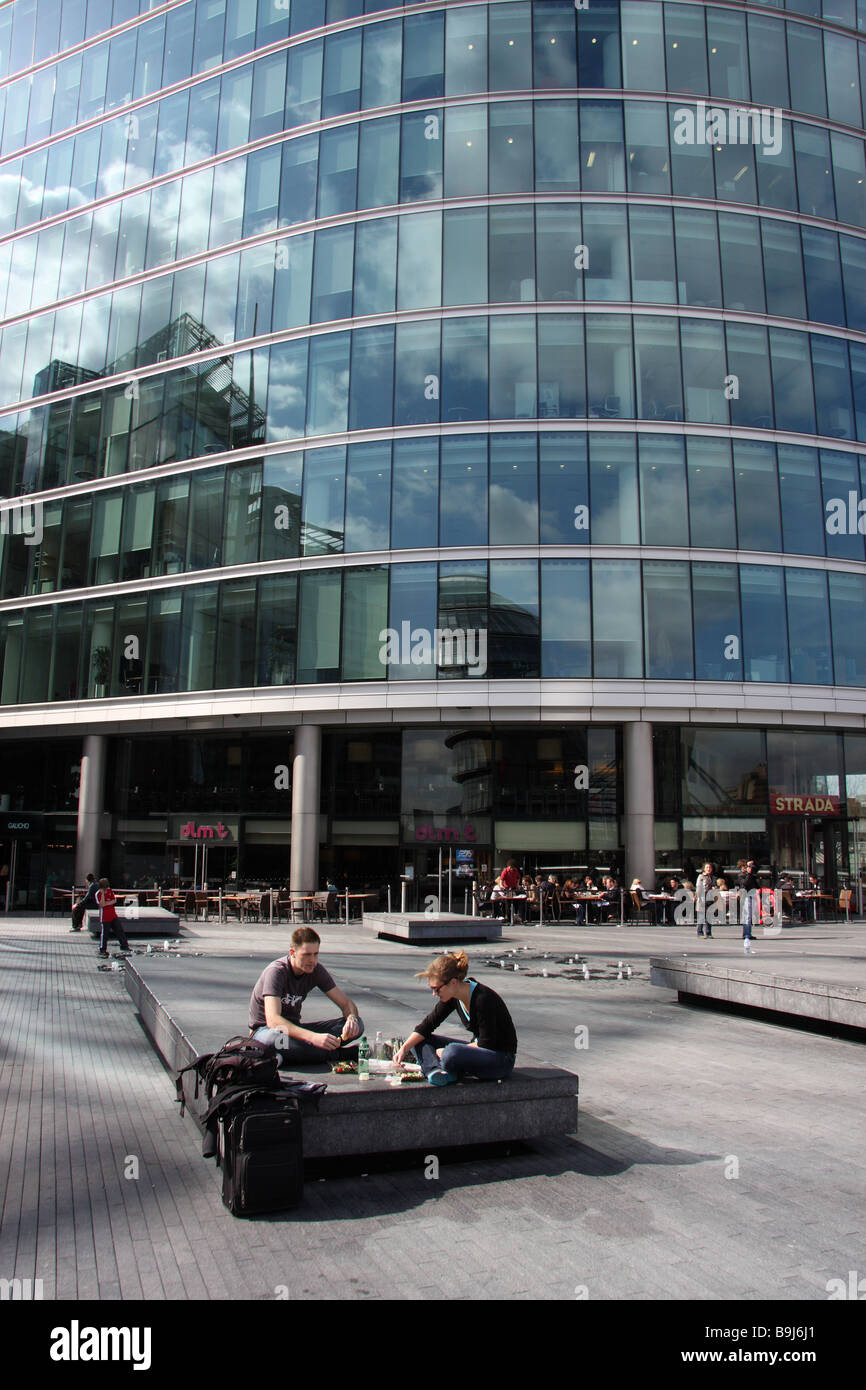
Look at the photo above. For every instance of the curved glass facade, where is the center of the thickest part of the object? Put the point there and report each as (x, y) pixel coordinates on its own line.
(350, 349)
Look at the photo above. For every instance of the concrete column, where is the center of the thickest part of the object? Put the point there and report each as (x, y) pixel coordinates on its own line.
(639, 804)
(306, 765)
(91, 795)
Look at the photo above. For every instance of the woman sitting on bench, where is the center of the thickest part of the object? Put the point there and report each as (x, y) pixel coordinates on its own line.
(491, 1054)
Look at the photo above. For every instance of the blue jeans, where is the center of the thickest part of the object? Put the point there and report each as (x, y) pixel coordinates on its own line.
(462, 1060)
(749, 911)
(292, 1051)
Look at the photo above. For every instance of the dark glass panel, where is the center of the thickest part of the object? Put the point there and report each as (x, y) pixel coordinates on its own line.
(757, 490)
(368, 497)
(765, 627)
(371, 405)
(667, 604)
(716, 600)
(463, 491)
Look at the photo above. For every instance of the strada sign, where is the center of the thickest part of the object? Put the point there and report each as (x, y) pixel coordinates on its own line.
(805, 805)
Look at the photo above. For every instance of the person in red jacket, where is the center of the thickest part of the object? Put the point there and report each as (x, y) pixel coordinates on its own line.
(109, 922)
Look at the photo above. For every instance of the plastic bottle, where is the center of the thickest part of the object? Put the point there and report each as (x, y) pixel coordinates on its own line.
(363, 1060)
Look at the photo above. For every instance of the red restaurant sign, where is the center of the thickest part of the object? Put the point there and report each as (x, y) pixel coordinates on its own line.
(805, 805)
(191, 831)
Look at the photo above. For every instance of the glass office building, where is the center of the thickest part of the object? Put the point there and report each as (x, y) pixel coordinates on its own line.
(431, 427)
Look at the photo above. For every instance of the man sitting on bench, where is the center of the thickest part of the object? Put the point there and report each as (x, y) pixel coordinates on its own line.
(277, 998)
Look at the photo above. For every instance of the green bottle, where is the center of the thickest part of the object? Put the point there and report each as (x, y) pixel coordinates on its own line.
(364, 1060)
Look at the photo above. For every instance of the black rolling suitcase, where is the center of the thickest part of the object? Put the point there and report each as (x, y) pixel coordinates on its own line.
(261, 1155)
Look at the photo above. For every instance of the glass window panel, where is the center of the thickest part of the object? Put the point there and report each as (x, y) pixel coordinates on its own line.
(281, 506)
(783, 269)
(842, 519)
(292, 279)
(843, 79)
(372, 382)
(832, 387)
(240, 33)
(564, 485)
(379, 162)
(716, 600)
(277, 630)
(512, 254)
(513, 489)
(858, 381)
(792, 380)
(735, 172)
(648, 162)
(37, 657)
(853, 252)
(814, 177)
(365, 619)
(338, 170)
(565, 619)
(510, 48)
(236, 636)
(806, 64)
(419, 261)
(657, 368)
(304, 84)
(421, 156)
(849, 169)
(757, 490)
(748, 361)
(776, 182)
(383, 57)
(554, 45)
(765, 628)
(423, 57)
(243, 515)
(559, 239)
(514, 620)
(561, 367)
(66, 653)
(465, 50)
(652, 255)
(693, 172)
(598, 46)
(198, 637)
(606, 239)
(307, 14)
(728, 54)
(300, 161)
(368, 497)
(415, 497)
(413, 609)
(332, 275)
(511, 147)
(341, 85)
(823, 275)
(465, 151)
(206, 513)
(800, 493)
(662, 489)
(704, 371)
(463, 491)
(686, 49)
(667, 620)
(328, 384)
(602, 154)
(463, 606)
(254, 294)
(742, 267)
(847, 604)
(169, 542)
(105, 540)
(416, 399)
(375, 266)
(287, 389)
(809, 626)
(643, 62)
(613, 489)
(557, 161)
(262, 194)
(464, 256)
(610, 386)
(464, 369)
(137, 532)
(711, 494)
(513, 386)
(616, 622)
(319, 626)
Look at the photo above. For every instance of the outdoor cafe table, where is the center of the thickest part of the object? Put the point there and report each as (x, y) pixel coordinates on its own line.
(815, 898)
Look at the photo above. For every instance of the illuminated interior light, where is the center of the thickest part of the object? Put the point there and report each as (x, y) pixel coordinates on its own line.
(591, 160)
(741, 173)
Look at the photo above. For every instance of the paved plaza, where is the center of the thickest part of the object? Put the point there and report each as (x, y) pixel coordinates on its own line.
(717, 1156)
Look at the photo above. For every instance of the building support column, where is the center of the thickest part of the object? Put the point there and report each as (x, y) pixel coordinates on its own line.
(639, 804)
(306, 765)
(91, 797)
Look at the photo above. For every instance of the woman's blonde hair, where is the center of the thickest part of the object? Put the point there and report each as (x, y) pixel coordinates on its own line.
(453, 965)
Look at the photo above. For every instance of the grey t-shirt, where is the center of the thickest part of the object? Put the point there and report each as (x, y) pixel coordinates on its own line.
(280, 980)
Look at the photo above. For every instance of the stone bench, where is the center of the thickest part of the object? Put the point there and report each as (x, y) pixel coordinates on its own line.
(354, 1117)
(139, 921)
(419, 928)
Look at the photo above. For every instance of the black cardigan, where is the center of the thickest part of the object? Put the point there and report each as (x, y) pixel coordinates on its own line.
(489, 1020)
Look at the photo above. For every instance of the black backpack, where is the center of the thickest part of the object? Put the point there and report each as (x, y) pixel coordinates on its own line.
(241, 1062)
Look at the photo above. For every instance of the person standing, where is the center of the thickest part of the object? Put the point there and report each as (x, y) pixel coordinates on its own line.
(109, 922)
(491, 1054)
(89, 900)
(704, 886)
(748, 884)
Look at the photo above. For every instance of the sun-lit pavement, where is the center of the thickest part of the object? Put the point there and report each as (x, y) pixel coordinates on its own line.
(717, 1157)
